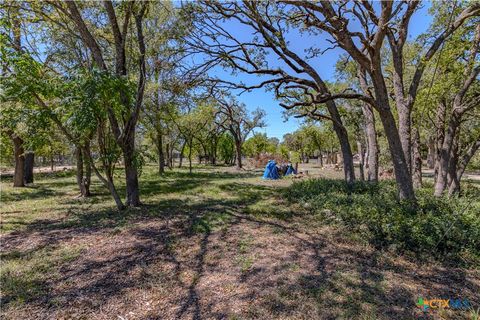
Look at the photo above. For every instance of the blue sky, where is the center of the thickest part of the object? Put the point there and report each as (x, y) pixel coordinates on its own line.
(325, 65)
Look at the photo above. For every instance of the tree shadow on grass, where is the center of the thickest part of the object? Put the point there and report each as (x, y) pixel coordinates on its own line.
(205, 175)
(83, 221)
(33, 192)
(136, 251)
(180, 182)
(168, 187)
(348, 282)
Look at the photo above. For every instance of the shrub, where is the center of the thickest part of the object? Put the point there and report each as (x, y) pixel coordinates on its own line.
(446, 228)
(261, 160)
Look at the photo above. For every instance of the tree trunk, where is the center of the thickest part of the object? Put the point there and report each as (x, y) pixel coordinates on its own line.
(115, 195)
(455, 184)
(181, 154)
(167, 157)
(18, 152)
(402, 174)
(108, 182)
(342, 136)
(452, 178)
(161, 157)
(170, 150)
(320, 158)
(417, 160)
(453, 163)
(213, 158)
(29, 163)
(190, 144)
(403, 108)
(83, 180)
(205, 155)
(361, 159)
(87, 181)
(79, 173)
(238, 152)
(372, 144)
(445, 151)
(131, 173)
(111, 187)
(405, 131)
(439, 135)
(431, 153)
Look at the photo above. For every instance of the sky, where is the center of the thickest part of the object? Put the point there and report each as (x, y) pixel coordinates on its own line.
(276, 125)
(325, 65)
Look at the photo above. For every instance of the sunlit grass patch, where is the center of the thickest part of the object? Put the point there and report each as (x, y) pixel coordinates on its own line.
(245, 262)
(271, 207)
(211, 221)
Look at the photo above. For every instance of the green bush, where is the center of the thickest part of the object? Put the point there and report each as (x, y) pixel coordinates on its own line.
(446, 229)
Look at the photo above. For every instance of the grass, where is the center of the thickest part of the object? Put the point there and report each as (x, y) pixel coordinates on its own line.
(214, 244)
(244, 259)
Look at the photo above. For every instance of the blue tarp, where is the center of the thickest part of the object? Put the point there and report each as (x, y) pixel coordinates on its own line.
(290, 170)
(271, 171)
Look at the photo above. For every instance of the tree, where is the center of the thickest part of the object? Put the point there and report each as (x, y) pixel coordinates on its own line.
(269, 24)
(30, 81)
(27, 128)
(456, 101)
(259, 143)
(355, 77)
(165, 86)
(391, 24)
(208, 140)
(192, 123)
(309, 140)
(314, 140)
(234, 117)
(13, 112)
(79, 21)
(123, 123)
(226, 148)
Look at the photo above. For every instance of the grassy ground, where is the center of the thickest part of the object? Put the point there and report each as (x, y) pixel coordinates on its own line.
(215, 244)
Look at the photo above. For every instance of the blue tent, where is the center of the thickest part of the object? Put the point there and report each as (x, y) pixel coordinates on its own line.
(290, 170)
(271, 171)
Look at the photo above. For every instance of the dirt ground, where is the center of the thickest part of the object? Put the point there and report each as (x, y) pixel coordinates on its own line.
(215, 245)
(8, 172)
